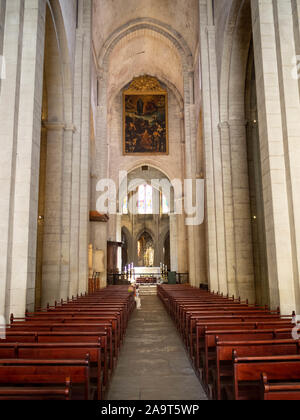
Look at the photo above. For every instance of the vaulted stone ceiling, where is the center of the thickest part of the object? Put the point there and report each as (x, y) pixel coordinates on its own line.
(109, 15)
(146, 46)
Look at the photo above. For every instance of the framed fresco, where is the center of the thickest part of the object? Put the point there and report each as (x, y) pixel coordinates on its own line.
(145, 118)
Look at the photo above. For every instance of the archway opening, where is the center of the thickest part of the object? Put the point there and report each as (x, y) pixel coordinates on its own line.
(145, 219)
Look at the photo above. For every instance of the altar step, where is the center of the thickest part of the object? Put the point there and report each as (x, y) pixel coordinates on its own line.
(148, 290)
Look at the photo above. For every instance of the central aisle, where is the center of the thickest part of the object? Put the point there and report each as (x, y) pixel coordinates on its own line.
(153, 364)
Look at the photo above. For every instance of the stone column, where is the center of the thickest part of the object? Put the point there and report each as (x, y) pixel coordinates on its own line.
(278, 114)
(173, 242)
(241, 210)
(215, 232)
(66, 210)
(85, 146)
(53, 213)
(28, 135)
(233, 286)
(2, 21)
(190, 169)
(76, 150)
(8, 121)
(182, 244)
(81, 149)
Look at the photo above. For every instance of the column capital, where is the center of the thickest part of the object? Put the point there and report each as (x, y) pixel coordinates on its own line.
(58, 126)
(53, 126)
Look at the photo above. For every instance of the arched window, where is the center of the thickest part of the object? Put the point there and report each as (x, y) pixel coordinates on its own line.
(145, 199)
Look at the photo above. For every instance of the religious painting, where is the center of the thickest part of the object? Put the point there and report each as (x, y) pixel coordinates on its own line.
(145, 117)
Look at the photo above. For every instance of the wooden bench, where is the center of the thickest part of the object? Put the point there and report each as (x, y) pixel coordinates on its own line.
(70, 327)
(37, 393)
(59, 351)
(280, 391)
(204, 318)
(222, 372)
(51, 323)
(209, 354)
(247, 373)
(234, 328)
(67, 337)
(18, 372)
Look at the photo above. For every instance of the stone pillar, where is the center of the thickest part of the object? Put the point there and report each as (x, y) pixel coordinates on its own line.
(2, 21)
(190, 170)
(81, 148)
(8, 120)
(173, 242)
(85, 146)
(215, 231)
(27, 147)
(278, 114)
(76, 150)
(53, 213)
(241, 210)
(66, 211)
(233, 286)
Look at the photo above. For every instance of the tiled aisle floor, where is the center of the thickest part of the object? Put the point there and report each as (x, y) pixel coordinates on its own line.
(153, 364)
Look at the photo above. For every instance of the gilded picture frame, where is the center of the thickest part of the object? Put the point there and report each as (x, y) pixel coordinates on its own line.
(145, 118)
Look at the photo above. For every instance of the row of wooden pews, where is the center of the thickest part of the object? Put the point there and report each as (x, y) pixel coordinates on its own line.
(68, 351)
(239, 351)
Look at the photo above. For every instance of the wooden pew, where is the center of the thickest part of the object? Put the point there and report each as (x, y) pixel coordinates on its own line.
(37, 393)
(205, 320)
(56, 322)
(18, 372)
(247, 373)
(78, 337)
(222, 372)
(280, 391)
(72, 326)
(69, 327)
(235, 328)
(209, 356)
(196, 311)
(59, 351)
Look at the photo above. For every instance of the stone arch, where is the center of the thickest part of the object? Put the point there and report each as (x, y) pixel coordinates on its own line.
(151, 24)
(175, 39)
(145, 230)
(185, 124)
(145, 162)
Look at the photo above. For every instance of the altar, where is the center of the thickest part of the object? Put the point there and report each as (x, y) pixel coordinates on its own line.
(147, 275)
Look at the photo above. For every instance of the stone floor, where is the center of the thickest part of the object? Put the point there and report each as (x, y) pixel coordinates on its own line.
(153, 364)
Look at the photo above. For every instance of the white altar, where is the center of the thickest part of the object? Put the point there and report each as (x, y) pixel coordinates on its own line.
(144, 271)
(139, 272)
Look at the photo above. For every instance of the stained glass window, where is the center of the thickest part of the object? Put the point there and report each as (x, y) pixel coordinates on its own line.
(145, 199)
